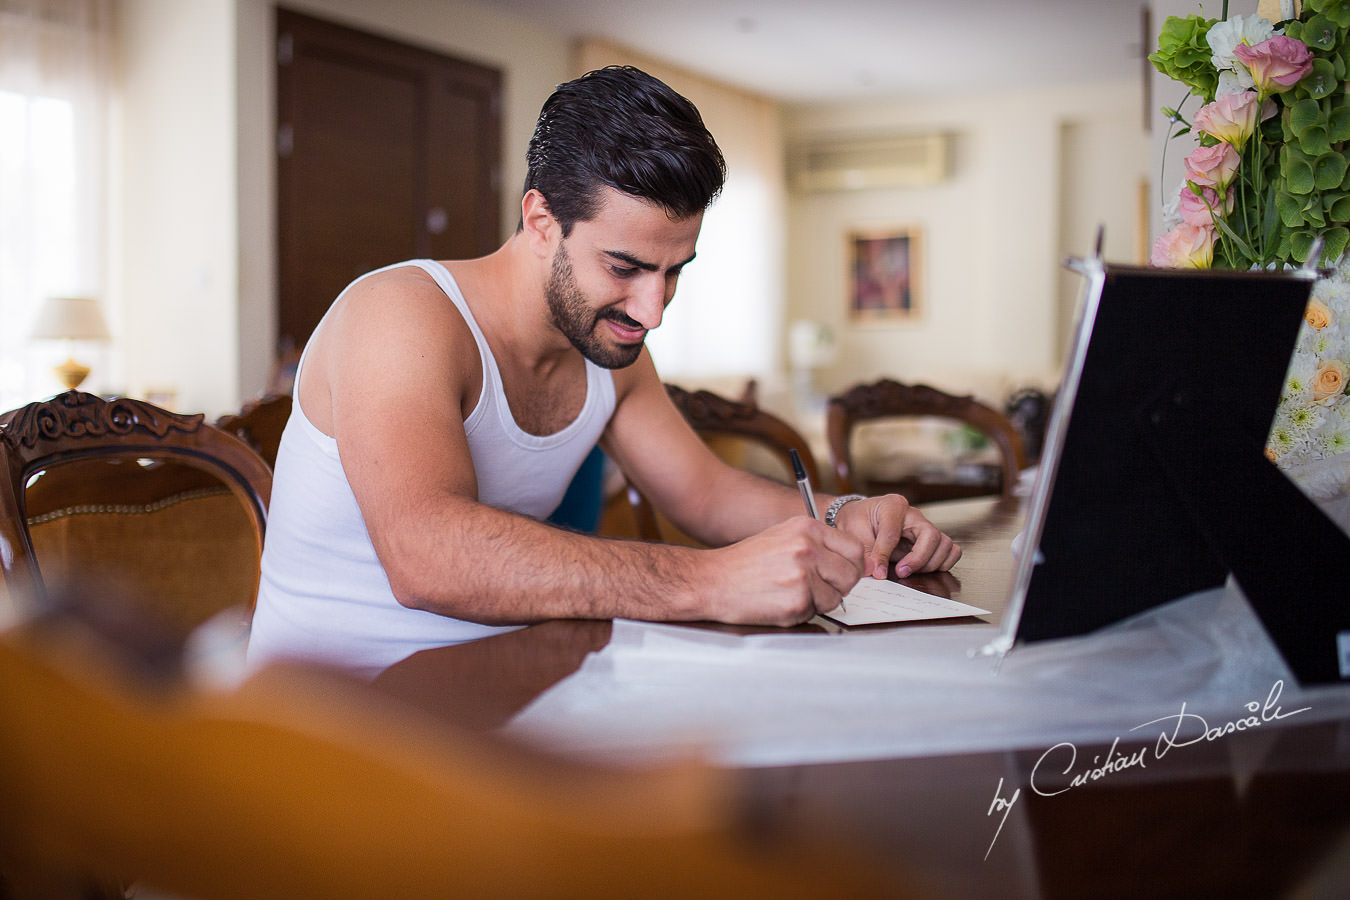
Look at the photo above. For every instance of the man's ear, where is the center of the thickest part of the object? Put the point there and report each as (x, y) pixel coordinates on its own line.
(541, 230)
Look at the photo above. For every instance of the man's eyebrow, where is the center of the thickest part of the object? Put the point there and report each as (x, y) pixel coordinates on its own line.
(636, 263)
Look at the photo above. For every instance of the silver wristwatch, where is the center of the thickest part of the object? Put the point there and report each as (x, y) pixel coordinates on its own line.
(838, 504)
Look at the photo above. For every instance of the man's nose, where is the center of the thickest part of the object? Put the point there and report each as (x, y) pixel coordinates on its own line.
(648, 302)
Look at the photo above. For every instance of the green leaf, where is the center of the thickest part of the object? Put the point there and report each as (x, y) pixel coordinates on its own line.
(1337, 206)
(1270, 221)
(1338, 123)
(1329, 169)
(1297, 170)
(1238, 242)
(1291, 209)
(1321, 80)
(1304, 115)
(1337, 12)
(1320, 33)
(1300, 244)
(1336, 240)
(1314, 141)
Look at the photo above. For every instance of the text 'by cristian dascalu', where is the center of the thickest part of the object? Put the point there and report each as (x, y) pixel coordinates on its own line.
(1181, 729)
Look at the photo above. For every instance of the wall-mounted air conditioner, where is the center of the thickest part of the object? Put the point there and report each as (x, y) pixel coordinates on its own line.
(835, 164)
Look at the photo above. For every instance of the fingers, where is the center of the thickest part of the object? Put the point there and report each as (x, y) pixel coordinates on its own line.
(892, 520)
(933, 551)
(839, 568)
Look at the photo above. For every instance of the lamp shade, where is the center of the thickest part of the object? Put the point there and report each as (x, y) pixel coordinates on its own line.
(70, 318)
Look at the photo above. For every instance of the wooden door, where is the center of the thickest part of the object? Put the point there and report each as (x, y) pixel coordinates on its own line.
(385, 152)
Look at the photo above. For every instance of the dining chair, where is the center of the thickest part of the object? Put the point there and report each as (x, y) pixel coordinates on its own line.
(888, 399)
(259, 424)
(740, 431)
(304, 784)
(156, 503)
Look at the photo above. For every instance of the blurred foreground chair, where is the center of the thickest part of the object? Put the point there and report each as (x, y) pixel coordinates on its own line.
(120, 490)
(740, 432)
(259, 424)
(304, 785)
(889, 399)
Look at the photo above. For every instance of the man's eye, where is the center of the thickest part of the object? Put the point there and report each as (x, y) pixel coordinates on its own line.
(622, 271)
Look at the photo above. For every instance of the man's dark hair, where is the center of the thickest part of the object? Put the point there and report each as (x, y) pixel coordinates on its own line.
(619, 126)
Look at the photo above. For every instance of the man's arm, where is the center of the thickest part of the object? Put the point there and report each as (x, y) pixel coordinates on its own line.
(718, 504)
(390, 376)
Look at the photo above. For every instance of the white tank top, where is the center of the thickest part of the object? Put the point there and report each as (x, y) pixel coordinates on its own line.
(323, 594)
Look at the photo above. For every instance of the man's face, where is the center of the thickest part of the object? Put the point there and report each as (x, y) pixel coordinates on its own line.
(627, 263)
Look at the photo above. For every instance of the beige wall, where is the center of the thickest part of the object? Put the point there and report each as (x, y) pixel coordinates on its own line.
(174, 272)
(991, 231)
(193, 284)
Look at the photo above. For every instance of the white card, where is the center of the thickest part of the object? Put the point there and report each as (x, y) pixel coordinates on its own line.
(872, 602)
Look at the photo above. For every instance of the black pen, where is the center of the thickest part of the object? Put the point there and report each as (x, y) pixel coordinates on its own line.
(808, 495)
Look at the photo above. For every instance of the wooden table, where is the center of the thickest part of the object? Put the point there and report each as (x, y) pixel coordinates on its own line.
(1265, 813)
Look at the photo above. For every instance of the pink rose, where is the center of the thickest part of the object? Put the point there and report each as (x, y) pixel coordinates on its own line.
(1212, 167)
(1231, 118)
(1199, 209)
(1276, 64)
(1185, 247)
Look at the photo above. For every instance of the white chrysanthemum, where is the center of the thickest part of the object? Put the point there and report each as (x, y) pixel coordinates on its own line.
(1333, 291)
(1298, 380)
(1334, 436)
(1302, 419)
(1311, 342)
(1224, 37)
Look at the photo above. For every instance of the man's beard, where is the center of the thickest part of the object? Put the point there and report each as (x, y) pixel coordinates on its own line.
(573, 316)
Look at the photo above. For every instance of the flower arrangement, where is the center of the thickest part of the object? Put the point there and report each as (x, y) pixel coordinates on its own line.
(1268, 179)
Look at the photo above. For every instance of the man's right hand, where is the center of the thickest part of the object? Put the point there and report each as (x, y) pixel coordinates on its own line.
(783, 575)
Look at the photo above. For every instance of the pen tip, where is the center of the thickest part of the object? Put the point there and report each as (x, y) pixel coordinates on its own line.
(798, 470)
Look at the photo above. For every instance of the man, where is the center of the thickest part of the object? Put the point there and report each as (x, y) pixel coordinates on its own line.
(442, 409)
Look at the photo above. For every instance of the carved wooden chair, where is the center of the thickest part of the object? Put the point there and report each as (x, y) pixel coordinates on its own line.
(889, 399)
(259, 424)
(151, 504)
(734, 428)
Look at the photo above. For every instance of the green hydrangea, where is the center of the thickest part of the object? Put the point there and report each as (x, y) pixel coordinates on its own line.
(1183, 54)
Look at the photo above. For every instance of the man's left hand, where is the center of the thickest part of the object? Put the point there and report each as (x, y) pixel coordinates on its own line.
(889, 527)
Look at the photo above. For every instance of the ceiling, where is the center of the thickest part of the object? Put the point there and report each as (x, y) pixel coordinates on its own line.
(810, 51)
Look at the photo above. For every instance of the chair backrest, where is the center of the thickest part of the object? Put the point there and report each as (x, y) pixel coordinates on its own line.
(134, 495)
(259, 424)
(721, 422)
(887, 399)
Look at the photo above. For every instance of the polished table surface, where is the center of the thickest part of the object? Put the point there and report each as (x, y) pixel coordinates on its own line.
(1260, 813)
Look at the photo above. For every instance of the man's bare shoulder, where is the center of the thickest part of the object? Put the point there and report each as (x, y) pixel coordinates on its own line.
(389, 330)
(395, 298)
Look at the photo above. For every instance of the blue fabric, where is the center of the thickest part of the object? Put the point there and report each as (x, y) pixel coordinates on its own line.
(581, 505)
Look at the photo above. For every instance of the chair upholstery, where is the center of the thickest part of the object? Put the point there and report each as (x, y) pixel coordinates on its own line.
(304, 785)
(259, 424)
(729, 426)
(123, 492)
(889, 399)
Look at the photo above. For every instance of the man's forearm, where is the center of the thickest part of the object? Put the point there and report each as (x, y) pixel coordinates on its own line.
(739, 505)
(481, 564)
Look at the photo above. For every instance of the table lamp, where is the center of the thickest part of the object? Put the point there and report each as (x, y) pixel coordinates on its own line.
(70, 319)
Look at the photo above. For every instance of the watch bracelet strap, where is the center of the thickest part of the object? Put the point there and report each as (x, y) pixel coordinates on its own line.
(838, 504)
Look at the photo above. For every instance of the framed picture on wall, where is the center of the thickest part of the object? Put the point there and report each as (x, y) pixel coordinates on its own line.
(884, 275)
